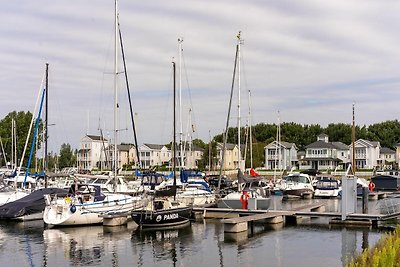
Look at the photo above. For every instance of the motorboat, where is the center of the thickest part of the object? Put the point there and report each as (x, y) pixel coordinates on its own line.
(248, 196)
(83, 205)
(327, 188)
(297, 185)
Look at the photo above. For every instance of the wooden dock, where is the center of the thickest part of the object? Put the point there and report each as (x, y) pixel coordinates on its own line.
(239, 220)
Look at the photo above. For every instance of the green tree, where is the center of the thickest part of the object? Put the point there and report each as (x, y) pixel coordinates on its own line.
(22, 122)
(66, 158)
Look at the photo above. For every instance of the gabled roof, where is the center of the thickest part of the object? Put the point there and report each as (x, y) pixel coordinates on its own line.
(321, 144)
(96, 137)
(154, 146)
(386, 150)
(229, 146)
(282, 143)
(122, 147)
(340, 145)
(367, 143)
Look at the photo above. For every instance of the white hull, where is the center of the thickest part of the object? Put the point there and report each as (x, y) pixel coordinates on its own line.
(196, 198)
(327, 192)
(62, 213)
(232, 201)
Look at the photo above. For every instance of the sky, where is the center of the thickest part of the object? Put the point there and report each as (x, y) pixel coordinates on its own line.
(308, 59)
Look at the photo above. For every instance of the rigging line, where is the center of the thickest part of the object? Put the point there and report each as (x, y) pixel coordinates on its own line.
(129, 98)
(30, 126)
(225, 136)
(189, 92)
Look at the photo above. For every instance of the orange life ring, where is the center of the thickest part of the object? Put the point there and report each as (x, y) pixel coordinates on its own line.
(371, 186)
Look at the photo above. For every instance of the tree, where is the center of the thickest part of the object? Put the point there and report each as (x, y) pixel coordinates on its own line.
(66, 158)
(22, 121)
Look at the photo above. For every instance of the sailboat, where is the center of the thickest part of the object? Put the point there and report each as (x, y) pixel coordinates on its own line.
(164, 210)
(84, 202)
(246, 197)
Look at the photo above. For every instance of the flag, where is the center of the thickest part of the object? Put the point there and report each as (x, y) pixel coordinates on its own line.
(253, 173)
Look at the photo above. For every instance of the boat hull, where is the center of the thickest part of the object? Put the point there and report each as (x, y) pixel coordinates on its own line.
(302, 192)
(67, 214)
(253, 203)
(161, 218)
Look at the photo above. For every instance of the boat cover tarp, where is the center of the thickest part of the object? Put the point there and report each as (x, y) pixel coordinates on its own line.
(30, 204)
(166, 192)
(185, 174)
(243, 179)
(386, 182)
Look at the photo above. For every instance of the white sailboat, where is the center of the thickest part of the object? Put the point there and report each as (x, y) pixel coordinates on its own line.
(245, 197)
(85, 202)
(165, 210)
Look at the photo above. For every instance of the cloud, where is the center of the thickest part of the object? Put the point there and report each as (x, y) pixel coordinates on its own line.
(309, 59)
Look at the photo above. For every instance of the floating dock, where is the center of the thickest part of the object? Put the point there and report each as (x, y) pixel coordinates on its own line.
(239, 220)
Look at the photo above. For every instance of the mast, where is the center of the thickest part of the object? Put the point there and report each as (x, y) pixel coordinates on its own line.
(174, 126)
(116, 94)
(129, 98)
(46, 129)
(277, 147)
(12, 143)
(250, 135)
(209, 152)
(353, 146)
(225, 134)
(239, 118)
(180, 41)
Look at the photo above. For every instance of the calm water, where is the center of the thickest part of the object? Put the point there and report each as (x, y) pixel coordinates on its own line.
(313, 243)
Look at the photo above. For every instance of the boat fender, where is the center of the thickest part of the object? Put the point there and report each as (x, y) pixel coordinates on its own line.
(72, 209)
(371, 186)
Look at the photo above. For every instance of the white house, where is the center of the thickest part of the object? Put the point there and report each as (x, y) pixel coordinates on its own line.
(387, 158)
(91, 152)
(367, 154)
(280, 155)
(325, 155)
(126, 154)
(154, 155)
(192, 154)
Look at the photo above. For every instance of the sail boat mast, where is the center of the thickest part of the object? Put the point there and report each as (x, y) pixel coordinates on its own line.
(46, 131)
(180, 41)
(353, 141)
(174, 138)
(250, 135)
(238, 121)
(115, 93)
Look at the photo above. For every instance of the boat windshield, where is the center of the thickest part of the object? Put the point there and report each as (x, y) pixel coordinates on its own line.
(327, 184)
(297, 179)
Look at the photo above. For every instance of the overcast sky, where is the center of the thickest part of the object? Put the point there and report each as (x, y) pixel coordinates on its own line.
(309, 59)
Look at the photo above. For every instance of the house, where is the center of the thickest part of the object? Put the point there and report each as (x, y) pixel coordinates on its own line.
(91, 152)
(126, 154)
(192, 154)
(387, 158)
(325, 155)
(367, 154)
(231, 156)
(154, 155)
(280, 155)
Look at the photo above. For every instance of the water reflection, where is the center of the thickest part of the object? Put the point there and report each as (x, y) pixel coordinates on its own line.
(203, 243)
(165, 245)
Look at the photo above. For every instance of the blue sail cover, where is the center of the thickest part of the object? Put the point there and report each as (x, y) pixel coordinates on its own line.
(185, 174)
